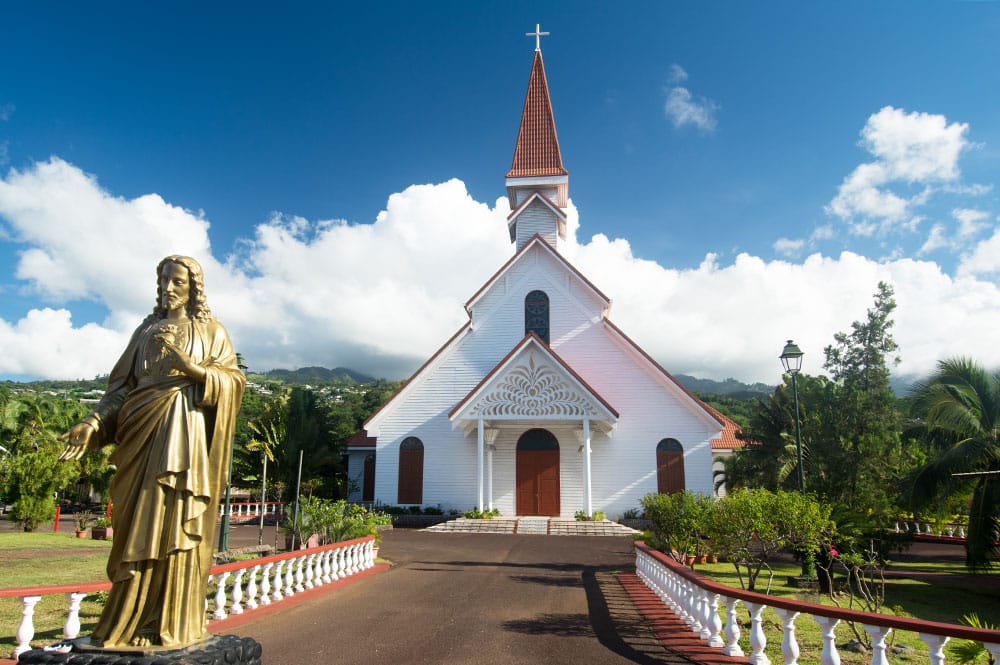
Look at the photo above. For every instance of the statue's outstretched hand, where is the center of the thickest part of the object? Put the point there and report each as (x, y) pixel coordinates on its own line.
(78, 439)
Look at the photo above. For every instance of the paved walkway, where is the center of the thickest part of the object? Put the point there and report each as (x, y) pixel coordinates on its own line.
(473, 598)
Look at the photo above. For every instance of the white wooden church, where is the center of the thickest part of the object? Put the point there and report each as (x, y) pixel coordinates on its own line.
(539, 404)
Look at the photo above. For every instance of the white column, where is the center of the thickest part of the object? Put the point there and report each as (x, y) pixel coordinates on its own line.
(480, 445)
(489, 439)
(587, 496)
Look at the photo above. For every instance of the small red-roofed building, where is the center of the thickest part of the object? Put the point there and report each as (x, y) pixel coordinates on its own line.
(538, 404)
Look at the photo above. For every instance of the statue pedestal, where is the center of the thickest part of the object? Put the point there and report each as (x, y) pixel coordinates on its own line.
(214, 650)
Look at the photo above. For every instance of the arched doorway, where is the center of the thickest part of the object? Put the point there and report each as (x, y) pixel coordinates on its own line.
(538, 473)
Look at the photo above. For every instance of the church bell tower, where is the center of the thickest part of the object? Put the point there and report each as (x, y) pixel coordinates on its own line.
(537, 183)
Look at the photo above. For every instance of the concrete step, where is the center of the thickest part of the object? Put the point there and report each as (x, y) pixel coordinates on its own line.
(571, 527)
(554, 526)
(463, 525)
(533, 525)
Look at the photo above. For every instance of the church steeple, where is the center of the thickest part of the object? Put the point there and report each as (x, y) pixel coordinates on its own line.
(537, 181)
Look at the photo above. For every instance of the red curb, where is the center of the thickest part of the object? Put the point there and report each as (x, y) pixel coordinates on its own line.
(672, 633)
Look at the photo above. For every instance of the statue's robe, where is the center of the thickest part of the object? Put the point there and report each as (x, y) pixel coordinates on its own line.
(173, 445)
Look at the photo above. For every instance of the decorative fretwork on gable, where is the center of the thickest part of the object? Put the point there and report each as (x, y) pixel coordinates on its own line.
(534, 390)
(533, 384)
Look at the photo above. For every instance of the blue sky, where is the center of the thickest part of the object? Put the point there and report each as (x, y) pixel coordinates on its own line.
(730, 154)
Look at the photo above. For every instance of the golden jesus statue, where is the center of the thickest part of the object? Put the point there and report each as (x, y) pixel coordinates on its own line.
(170, 408)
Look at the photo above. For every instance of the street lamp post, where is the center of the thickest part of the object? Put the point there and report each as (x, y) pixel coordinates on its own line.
(791, 360)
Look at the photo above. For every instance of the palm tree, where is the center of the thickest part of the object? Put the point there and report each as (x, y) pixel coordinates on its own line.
(961, 407)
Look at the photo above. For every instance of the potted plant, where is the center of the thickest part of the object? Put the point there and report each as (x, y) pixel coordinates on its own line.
(82, 519)
(102, 529)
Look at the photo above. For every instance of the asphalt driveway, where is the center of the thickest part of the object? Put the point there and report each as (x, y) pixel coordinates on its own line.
(471, 598)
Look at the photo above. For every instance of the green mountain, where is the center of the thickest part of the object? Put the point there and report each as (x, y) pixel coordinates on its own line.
(317, 375)
(730, 387)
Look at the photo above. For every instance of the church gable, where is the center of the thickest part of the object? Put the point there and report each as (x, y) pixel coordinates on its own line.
(537, 265)
(533, 383)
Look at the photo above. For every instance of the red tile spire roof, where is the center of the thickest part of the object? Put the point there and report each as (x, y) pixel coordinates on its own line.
(537, 151)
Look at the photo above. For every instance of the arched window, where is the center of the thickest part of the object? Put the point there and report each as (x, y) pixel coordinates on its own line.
(411, 471)
(536, 314)
(669, 466)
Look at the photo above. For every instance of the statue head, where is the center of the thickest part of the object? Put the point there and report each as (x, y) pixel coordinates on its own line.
(197, 305)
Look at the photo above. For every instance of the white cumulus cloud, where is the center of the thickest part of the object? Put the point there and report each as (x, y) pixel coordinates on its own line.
(381, 297)
(913, 153)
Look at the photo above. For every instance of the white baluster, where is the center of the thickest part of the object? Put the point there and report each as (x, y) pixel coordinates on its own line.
(935, 645)
(289, 577)
(265, 584)
(732, 647)
(961, 531)
(701, 613)
(681, 594)
(327, 555)
(694, 606)
(345, 562)
(236, 607)
(308, 571)
(299, 577)
(758, 641)
(277, 581)
(220, 596)
(252, 588)
(335, 565)
(828, 626)
(354, 559)
(789, 645)
(714, 622)
(878, 634)
(25, 629)
(72, 628)
(318, 568)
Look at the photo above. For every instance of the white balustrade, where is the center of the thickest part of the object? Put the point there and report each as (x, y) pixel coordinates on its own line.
(696, 601)
(237, 587)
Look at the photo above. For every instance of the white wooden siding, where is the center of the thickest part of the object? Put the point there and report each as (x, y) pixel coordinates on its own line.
(650, 406)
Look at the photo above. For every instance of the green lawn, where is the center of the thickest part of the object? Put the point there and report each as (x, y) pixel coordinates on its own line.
(35, 559)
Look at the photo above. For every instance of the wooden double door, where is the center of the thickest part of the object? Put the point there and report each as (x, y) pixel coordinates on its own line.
(538, 473)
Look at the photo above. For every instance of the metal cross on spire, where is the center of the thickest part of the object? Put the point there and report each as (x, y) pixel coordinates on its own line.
(537, 34)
